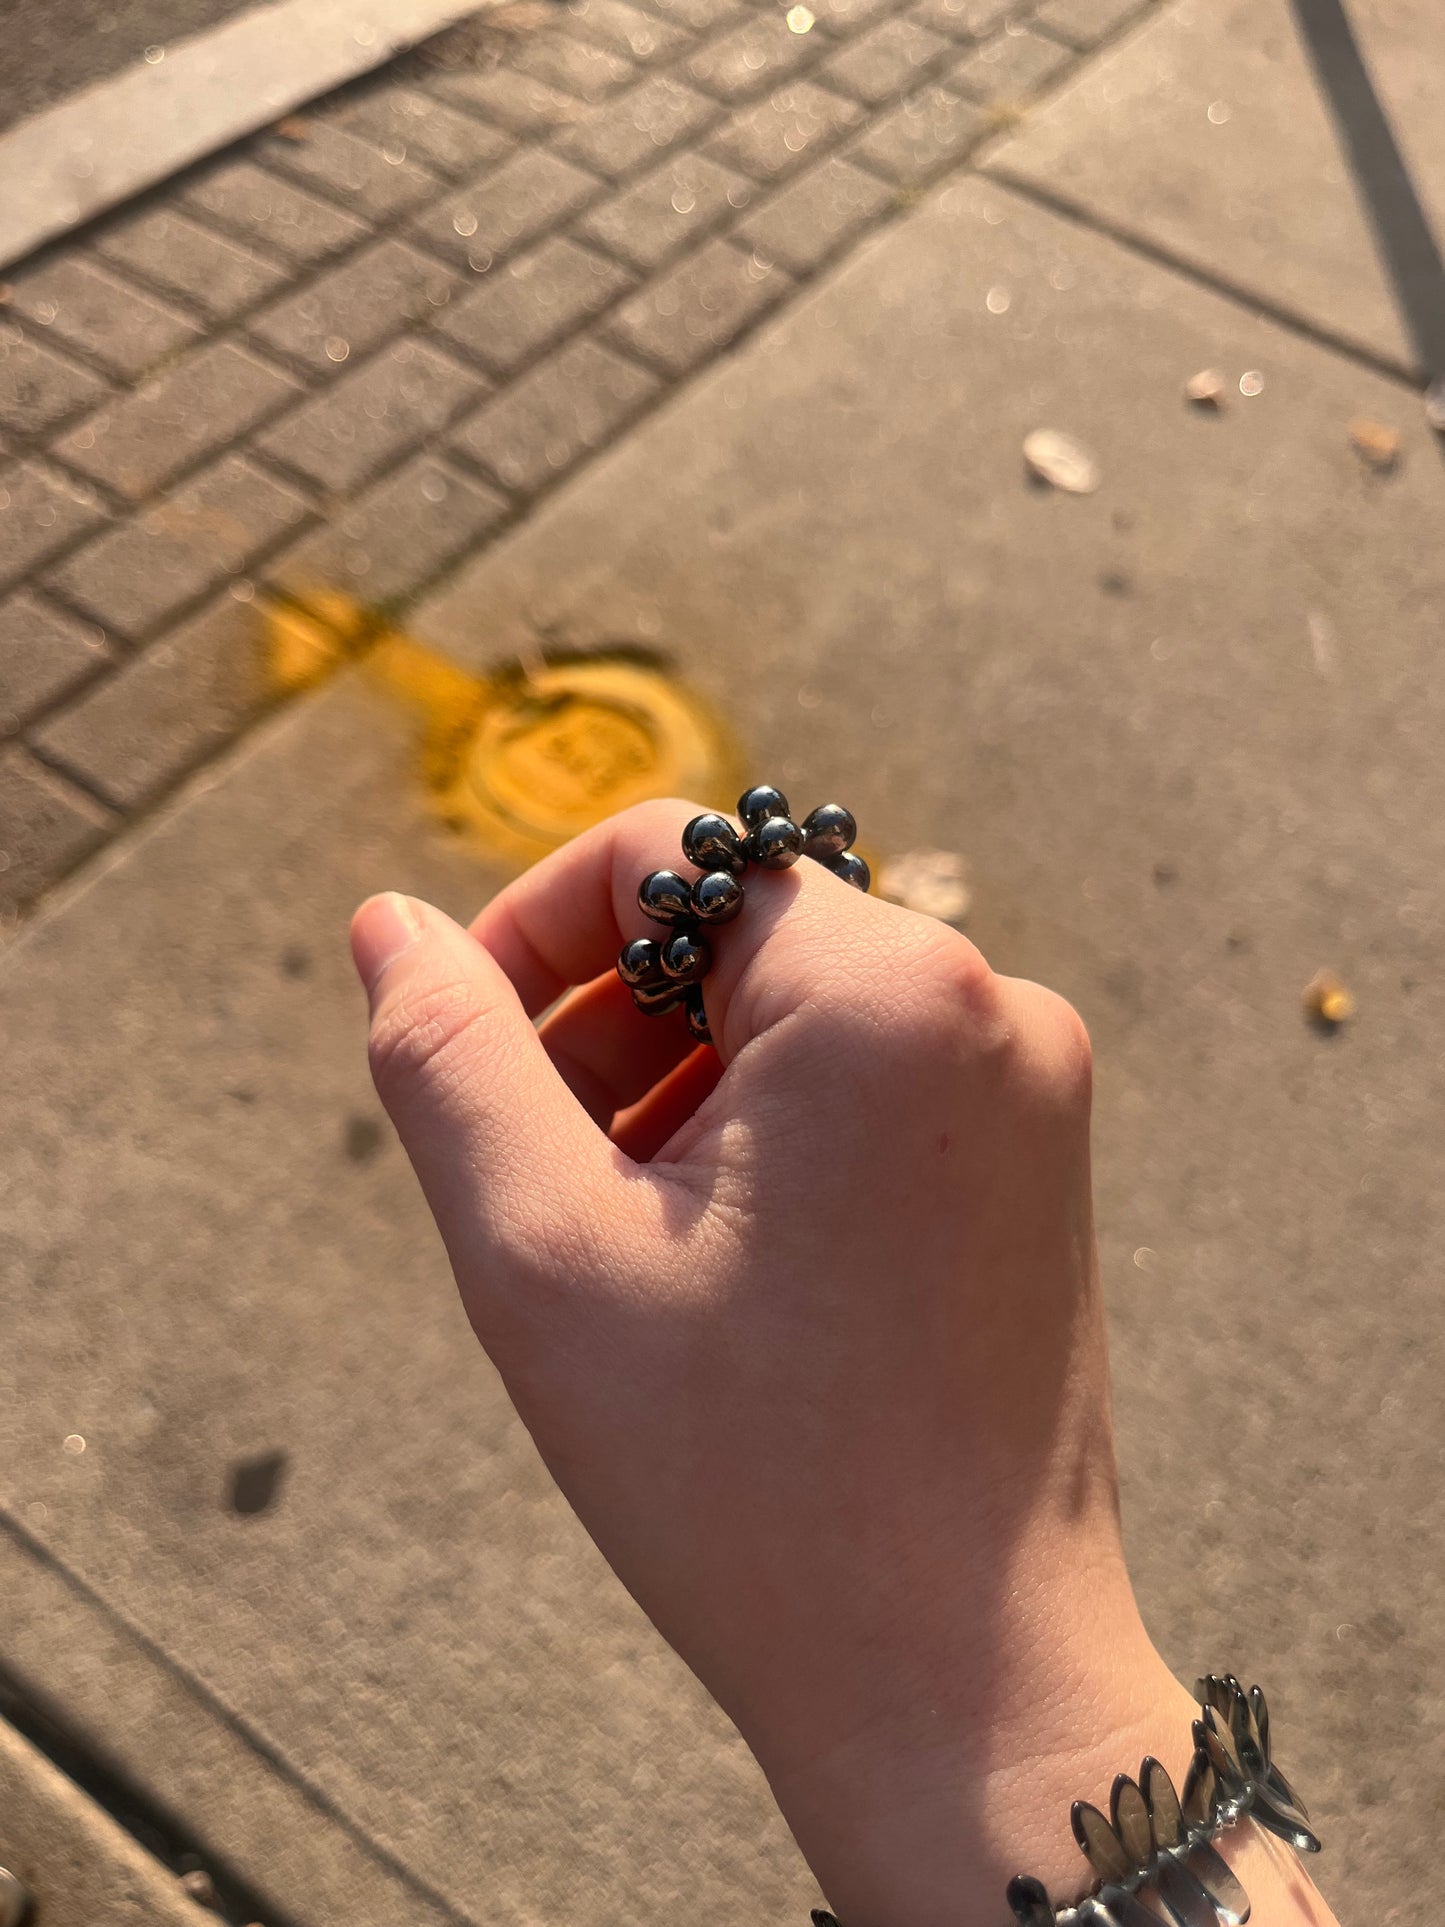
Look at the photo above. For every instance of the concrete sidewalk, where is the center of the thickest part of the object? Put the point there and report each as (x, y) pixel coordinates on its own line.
(1184, 729)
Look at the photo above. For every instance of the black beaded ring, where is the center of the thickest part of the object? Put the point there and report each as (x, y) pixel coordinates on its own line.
(666, 973)
(1159, 1842)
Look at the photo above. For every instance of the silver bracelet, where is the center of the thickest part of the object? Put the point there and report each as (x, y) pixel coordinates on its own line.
(1155, 1841)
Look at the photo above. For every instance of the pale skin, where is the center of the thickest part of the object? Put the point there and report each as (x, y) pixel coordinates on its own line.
(808, 1330)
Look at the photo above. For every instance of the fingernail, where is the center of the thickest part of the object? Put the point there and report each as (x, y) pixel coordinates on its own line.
(382, 929)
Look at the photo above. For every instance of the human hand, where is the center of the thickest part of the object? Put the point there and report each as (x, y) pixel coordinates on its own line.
(808, 1331)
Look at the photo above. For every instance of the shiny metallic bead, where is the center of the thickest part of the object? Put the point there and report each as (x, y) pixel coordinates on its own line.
(1131, 1819)
(657, 1001)
(759, 803)
(716, 897)
(712, 843)
(696, 1013)
(828, 831)
(852, 869)
(1029, 1901)
(665, 897)
(1099, 1842)
(776, 843)
(1166, 1822)
(639, 963)
(686, 957)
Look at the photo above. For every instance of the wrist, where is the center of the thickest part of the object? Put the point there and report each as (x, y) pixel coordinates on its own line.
(920, 1819)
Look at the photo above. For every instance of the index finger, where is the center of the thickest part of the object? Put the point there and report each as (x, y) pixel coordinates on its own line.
(564, 921)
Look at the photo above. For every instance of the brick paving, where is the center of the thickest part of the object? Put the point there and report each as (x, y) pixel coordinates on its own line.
(347, 352)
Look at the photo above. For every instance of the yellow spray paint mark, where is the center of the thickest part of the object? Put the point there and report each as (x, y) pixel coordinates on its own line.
(525, 757)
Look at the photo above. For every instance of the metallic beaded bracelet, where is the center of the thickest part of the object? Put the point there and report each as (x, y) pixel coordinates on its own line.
(1161, 1844)
(666, 973)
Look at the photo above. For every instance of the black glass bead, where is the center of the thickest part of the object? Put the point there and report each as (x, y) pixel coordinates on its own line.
(696, 1015)
(639, 963)
(686, 958)
(1099, 1842)
(664, 896)
(852, 869)
(828, 831)
(776, 843)
(657, 1001)
(717, 897)
(1130, 1817)
(712, 843)
(759, 803)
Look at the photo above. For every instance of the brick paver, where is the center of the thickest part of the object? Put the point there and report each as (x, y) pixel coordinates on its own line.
(370, 417)
(46, 826)
(544, 424)
(391, 540)
(350, 309)
(254, 204)
(698, 306)
(628, 30)
(779, 135)
(181, 257)
(1009, 67)
(81, 303)
(526, 195)
(351, 170)
(667, 208)
(38, 387)
(150, 566)
(529, 302)
(140, 441)
(397, 120)
(164, 710)
(43, 653)
(889, 59)
(815, 214)
(635, 128)
(750, 58)
(350, 350)
(41, 512)
(1085, 22)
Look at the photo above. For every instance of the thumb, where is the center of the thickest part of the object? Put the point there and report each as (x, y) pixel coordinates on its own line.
(511, 1166)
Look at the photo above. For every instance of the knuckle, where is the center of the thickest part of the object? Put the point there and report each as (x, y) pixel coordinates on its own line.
(417, 1038)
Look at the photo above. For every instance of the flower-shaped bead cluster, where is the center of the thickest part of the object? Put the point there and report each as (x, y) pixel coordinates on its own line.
(666, 973)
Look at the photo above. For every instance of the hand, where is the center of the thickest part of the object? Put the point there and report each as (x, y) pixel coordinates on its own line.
(808, 1331)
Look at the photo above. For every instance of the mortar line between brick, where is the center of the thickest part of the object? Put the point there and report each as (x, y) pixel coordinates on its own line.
(251, 1734)
(1235, 292)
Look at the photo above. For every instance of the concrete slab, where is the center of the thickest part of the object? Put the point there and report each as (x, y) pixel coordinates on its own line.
(108, 142)
(80, 1866)
(413, 1636)
(1207, 133)
(1184, 728)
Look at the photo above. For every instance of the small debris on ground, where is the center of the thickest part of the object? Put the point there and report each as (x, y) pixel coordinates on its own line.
(1206, 389)
(933, 882)
(1376, 443)
(1251, 382)
(202, 1889)
(1327, 1002)
(294, 129)
(1061, 461)
(1435, 405)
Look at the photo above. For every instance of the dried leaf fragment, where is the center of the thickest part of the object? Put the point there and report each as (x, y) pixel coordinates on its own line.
(1206, 389)
(933, 882)
(1376, 443)
(1061, 461)
(1326, 1000)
